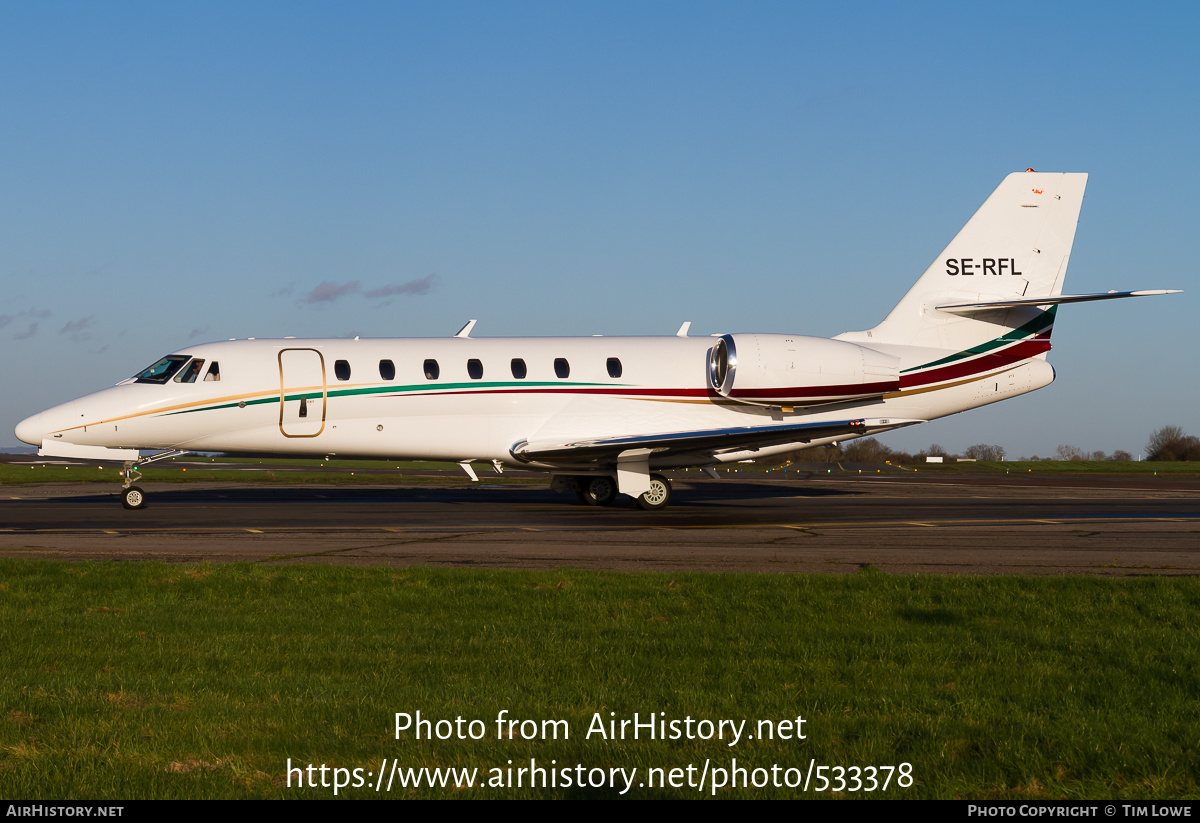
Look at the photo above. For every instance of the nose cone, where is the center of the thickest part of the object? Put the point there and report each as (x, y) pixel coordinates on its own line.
(31, 430)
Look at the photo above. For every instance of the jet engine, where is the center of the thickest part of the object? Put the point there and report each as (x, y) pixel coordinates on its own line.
(792, 370)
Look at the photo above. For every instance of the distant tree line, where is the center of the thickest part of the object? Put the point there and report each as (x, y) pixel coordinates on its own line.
(1167, 443)
(870, 450)
(1076, 453)
(1170, 443)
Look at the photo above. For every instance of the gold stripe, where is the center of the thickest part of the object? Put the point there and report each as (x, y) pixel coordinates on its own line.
(248, 395)
(210, 401)
(908, 392)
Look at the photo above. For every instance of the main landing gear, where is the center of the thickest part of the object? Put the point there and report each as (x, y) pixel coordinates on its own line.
(659, 496)
(597, 491)
(133, 497)
(601, 490)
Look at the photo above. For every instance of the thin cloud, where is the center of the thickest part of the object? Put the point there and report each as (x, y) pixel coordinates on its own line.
(28, 333)
(328, 291)
(197, 332)
(78, 328)
(39, 314)
(419, 286)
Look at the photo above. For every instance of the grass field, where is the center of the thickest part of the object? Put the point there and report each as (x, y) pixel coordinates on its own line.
(151, 680)
(375, 472)
(272, 471)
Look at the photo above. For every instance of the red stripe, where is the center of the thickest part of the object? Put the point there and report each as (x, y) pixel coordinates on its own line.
(809, 392)
(833, 392)
(635, 392)
(988, 362)
(967, 368)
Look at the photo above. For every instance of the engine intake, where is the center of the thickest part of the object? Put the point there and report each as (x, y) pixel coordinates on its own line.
(775, 369)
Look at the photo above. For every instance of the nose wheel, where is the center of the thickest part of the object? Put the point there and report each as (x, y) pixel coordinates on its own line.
(132, 497)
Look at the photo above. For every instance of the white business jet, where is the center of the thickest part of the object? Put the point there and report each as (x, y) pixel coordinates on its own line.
(604, 415)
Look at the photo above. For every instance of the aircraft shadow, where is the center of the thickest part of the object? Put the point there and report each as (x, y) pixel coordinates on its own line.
(685, 494)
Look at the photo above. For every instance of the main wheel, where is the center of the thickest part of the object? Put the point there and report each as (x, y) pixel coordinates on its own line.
(597, 491)
(133, 498)
(659, 495)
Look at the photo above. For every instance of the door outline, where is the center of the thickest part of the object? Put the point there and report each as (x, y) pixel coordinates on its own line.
(283, 392)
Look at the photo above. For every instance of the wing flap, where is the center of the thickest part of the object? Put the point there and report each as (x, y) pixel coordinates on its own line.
(699, 442)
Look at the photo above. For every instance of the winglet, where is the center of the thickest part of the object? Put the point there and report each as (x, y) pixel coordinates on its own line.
(465, 331)
(683, 330)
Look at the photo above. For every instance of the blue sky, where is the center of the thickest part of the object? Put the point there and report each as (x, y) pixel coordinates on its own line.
(180, 172)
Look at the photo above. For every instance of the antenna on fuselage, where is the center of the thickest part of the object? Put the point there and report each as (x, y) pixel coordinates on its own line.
(465, 331)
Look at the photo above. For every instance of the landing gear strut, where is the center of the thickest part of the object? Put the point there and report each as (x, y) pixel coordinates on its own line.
(132, 497)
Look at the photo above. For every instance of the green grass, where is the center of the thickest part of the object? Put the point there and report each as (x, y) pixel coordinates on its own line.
(276, 471)
(381, 472)
(1123, 468)
(1114, 468)
(154, 680)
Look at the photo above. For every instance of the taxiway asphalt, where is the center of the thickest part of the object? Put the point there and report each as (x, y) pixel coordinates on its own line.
(1031, 526)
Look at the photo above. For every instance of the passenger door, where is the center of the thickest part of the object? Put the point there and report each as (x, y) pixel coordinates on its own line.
(302, 392)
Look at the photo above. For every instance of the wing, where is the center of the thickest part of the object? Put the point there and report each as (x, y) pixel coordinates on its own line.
(702, 445)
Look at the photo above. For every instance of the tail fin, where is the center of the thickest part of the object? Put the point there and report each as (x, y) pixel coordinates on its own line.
(1016, 247)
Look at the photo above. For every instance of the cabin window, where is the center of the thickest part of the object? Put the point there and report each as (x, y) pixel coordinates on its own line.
(561, 367)
(431, 370)
(161, 371)
(475, 369)
(214, 373)
(190, 372)
(614, 367)
(341, 369)
(518, 368)
(387, 369)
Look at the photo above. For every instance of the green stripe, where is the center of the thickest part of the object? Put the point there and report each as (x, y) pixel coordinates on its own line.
(258, 402)
(368, 390)
(1035, 326)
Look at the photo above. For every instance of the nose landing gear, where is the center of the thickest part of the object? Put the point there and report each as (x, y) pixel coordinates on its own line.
(133, 497)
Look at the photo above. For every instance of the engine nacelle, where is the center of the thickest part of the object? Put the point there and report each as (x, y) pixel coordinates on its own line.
(792, 370)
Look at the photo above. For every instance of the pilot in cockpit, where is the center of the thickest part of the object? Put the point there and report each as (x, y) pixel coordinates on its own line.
(193, 371)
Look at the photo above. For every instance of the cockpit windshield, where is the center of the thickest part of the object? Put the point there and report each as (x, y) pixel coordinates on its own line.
(190, 372)
(162, 371)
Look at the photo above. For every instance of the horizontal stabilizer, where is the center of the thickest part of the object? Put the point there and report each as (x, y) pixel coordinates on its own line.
(702, 441)
(968, 308)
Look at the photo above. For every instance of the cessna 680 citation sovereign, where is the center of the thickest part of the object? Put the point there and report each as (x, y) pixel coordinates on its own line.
(603, 414)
